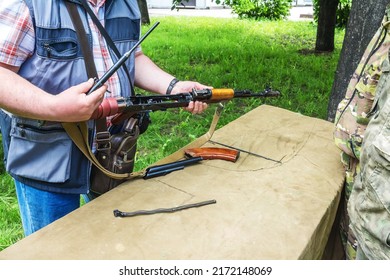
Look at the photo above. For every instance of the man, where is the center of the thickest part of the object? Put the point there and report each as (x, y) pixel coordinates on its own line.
(38, 41)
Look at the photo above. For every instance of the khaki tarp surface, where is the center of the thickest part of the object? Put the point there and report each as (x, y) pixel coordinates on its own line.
(264, 209)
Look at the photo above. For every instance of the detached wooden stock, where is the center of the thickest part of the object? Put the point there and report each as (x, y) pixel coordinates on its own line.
(213, 153)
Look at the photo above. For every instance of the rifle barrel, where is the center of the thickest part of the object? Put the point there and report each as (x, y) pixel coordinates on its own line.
(120, 62)
(247, 93)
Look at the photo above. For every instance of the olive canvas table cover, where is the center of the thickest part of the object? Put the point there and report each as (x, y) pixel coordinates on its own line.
(264, 209)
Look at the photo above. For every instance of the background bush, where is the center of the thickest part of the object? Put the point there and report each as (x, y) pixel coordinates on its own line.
(342, 13)
(261, 9)
(255, 9)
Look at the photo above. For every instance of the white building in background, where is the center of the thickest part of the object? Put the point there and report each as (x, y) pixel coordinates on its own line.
(206, 4)
(198, 4)
(302, 2)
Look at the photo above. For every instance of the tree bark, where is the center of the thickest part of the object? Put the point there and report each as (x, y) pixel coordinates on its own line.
(143, 6)
(326, 25)
(365, 17)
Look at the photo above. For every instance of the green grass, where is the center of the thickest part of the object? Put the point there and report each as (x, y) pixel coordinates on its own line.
(236, 54)
(10, 223)
(227, 53)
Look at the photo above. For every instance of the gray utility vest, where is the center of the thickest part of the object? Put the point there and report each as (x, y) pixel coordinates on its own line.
(40, 154)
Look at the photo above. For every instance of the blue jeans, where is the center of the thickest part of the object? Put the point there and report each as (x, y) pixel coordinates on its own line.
(39, 208)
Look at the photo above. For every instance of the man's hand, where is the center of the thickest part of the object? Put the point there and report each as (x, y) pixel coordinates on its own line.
(74, 105)
(196, 107)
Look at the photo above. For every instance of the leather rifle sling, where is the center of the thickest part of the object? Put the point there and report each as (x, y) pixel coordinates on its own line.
(78, 132)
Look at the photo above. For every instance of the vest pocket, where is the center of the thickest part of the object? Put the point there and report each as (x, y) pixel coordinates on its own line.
(60, 50)
(42, 155)
(59, 43)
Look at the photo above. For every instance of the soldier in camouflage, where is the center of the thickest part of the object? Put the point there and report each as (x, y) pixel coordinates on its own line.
(352, 117)
(369, 203)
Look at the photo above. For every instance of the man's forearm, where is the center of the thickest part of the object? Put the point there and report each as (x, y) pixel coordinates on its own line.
(149, 76)
(22, 98)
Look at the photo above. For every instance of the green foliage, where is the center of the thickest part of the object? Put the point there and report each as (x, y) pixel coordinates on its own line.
(10, 223)
(261, 9)
(256, 9)
(342, 13)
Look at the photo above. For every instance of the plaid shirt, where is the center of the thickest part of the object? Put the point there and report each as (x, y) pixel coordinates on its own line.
(17, 39)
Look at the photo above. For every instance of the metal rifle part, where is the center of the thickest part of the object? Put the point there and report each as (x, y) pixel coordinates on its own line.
(118, 64)
(268, 92)
(244, 151)
(123, 107)
(164, 169)
(118, 213)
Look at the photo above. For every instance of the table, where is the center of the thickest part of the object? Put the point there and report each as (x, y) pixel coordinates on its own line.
(264, 209)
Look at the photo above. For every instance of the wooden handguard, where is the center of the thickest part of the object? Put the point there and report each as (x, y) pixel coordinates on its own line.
(220, 94)
(213, 153)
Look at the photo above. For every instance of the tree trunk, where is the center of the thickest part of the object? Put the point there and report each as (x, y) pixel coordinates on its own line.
(326, 25)
(143, 6)
(364, 19)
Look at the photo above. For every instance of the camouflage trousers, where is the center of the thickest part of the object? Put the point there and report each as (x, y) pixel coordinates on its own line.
(369, 201)
(352, 168)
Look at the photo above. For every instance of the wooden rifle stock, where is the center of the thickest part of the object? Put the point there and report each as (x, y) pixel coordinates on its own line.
(213, 153)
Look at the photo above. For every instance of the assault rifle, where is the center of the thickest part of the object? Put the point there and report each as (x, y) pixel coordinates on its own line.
(124, 107)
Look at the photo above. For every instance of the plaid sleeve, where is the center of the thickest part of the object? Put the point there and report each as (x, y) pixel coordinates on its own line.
(17, 36)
